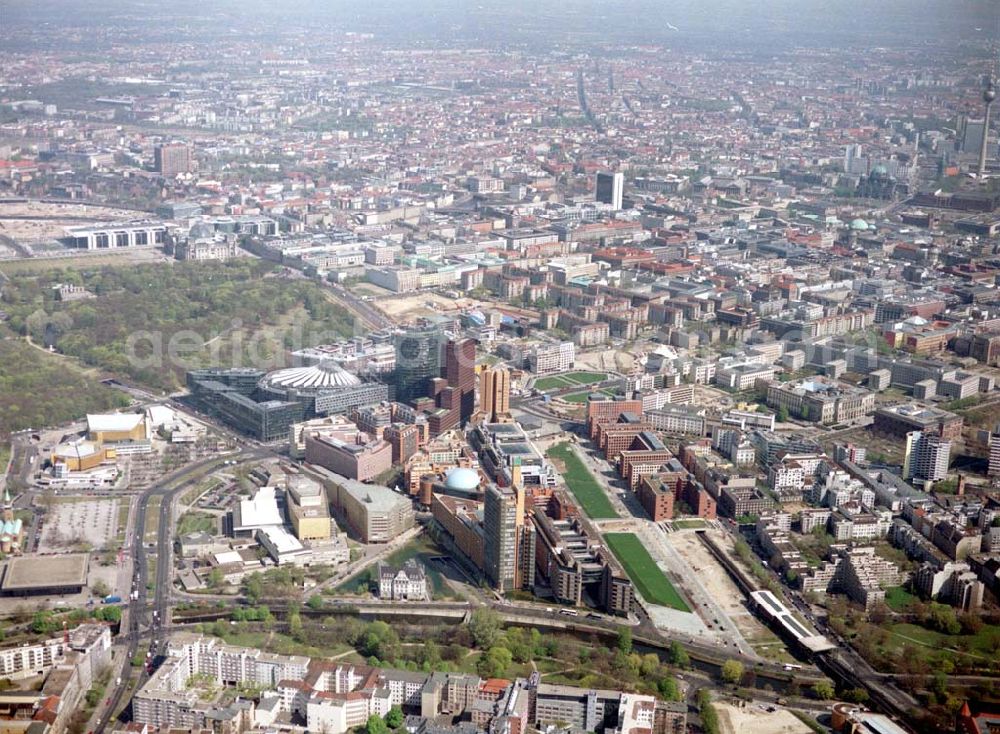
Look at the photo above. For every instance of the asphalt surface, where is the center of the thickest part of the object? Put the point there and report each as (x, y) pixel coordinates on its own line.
(362, 309)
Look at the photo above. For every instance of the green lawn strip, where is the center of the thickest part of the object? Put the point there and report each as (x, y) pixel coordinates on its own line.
(582, 484)
(152, 518)
(198, 522)
(552, 383)
(653, 584)
(896, 598)
(688, 524)
(585, 378)
(570, 379)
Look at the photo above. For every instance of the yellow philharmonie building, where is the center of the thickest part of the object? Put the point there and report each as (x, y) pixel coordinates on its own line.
(113, 428)
(108, 435)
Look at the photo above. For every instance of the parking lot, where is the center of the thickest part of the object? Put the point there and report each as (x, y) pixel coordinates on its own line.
(89, 523)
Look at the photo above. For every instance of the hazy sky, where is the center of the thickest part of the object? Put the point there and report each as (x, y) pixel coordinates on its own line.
(742, 22)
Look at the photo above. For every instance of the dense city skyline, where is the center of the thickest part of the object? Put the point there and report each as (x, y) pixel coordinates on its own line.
(464, 367)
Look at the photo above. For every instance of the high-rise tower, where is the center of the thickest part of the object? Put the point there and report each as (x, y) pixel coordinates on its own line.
(494, 393)
(171, 159)
(508, 539)
(609, 189)
(460, 372)
(927, 456)
(418, 361)
(989, 94)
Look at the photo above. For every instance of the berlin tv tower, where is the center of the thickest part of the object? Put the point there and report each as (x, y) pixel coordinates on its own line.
(989, 94)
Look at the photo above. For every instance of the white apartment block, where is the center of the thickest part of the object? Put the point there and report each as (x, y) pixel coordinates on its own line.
(742, 376)
(396, 279)
(31, 660)
(788, 476)
(813, 518)
(544, 359)
(670, 419)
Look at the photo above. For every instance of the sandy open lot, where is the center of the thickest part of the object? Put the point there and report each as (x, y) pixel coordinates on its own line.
(35, 222)
(424, 305)
(734, 720)
(717, 582)
(608, 360)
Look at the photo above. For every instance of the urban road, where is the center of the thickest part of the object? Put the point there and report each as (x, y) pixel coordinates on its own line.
(146, 619)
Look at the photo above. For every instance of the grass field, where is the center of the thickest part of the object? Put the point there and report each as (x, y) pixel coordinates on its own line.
(693, 524)
(896, 598)
(582, 484)
(74, 260)
(570, 379)
(980, 648)
(984, 417)
(654, 586)
(198, 522)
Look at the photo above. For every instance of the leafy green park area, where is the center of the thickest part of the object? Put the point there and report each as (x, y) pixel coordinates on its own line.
(149, 323)
(39, 389)
(482, 647)
(652, 583)
(570, 379)
(934, 637)
(582, 483)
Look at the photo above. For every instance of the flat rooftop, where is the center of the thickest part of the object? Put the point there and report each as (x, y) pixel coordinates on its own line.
(40, 572)
(113, 421)
(918, 413)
